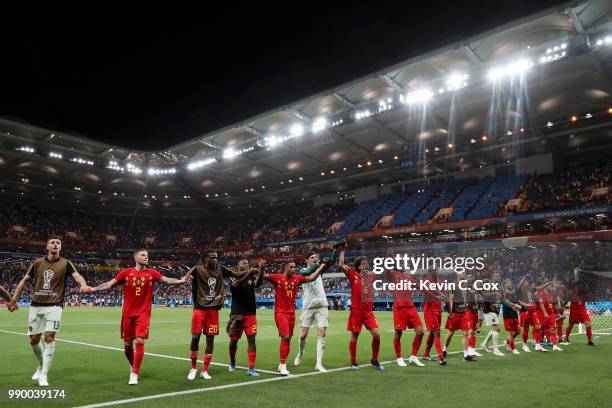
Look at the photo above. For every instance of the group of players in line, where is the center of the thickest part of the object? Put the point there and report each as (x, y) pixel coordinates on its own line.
(539, 306)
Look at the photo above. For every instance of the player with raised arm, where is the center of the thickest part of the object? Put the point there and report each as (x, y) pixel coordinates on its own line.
(243, 313)
(510, 308)
(432, 312)
(48, 275)
(137, 284)
(405, 316)
(208, 294)
(314, 309)
(362, 313)
(285, 290)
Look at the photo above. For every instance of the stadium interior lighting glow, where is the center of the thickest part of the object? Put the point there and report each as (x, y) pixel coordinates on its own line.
(152, 171)
(271, 141)
(418, 96)
(54, 155)
(513, 68)
(385, 104)
(319, 124)
(456, 81)
(113, 165)
(296, 130)
(26, 149)
(82, 161)
(362, 114)
(133, 169)
(230, 152)
(606, 40)
(200, 163)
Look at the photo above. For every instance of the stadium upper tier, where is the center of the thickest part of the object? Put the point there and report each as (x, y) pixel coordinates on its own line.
(537, 86)
(583, 184)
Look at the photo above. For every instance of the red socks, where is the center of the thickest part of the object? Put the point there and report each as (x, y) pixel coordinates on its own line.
(438, 345)
(525, 334)
(589, 332)
(428, 343)
(472, 341)
(285, 346)
(511, 343)
(194, 359)
(568, 330)
(251, 355)
(207, 360)
(138, 356)
(129, 353)
(397, 346)
(560, 333)
(416, 344)
(375, 347)
(353, 351)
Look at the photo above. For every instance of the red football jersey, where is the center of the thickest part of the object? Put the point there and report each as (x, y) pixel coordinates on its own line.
(361, 295)
(402, 298)
(285, 290)
(547, 299)
(137, 290)
(577, 305)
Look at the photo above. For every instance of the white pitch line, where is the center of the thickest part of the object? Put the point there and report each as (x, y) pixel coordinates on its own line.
(146, 353)
(220, 387)
(226, 386)
(87, 323)
(241, 384)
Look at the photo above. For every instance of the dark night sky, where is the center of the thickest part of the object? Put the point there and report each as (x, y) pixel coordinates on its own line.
(148, 83)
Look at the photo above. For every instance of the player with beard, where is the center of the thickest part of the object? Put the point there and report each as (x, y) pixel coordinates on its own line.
(208, 296)
(136, 312)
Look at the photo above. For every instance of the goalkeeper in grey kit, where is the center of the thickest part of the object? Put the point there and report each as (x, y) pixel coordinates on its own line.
(314, 307)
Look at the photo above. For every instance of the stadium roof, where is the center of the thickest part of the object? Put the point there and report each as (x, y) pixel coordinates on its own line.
(541, 84)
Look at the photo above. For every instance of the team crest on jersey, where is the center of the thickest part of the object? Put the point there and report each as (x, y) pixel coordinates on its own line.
(47, 276)
(211, 286)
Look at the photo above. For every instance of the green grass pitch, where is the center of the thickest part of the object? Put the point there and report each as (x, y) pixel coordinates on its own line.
(580, 376)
